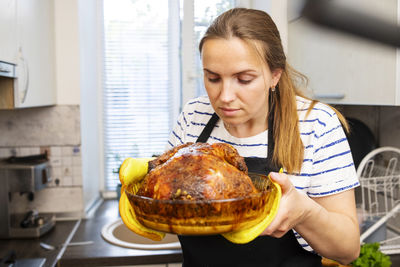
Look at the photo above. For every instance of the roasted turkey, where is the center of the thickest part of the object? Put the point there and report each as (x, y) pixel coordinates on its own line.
(198, 171)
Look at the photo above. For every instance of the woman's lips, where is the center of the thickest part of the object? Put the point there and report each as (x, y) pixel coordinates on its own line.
(229, 111)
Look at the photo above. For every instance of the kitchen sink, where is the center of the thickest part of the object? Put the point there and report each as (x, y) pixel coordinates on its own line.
(118, 234)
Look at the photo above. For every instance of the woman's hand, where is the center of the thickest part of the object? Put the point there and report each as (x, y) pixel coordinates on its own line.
(292, 209)
(328, 224)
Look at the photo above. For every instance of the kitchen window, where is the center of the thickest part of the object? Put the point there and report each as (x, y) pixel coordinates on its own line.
(151, 67)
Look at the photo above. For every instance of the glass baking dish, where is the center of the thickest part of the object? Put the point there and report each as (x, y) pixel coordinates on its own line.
(205, 217)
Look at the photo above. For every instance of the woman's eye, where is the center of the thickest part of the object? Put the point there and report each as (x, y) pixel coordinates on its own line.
(244, 81)
(213, 80)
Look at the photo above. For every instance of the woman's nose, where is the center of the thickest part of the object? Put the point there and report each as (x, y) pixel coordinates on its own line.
(227, 92)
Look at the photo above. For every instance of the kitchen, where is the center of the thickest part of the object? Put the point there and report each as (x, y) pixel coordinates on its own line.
(64, 120)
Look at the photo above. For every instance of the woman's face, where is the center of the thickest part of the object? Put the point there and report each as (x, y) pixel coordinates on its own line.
(237, 82)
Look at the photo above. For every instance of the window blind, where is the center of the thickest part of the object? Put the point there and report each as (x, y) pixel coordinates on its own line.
(139, 55)
(142, 83)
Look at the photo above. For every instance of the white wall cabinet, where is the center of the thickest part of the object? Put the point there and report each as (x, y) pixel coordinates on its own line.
(344, 69)
(34, 54)
(8, 23)
(35, 58)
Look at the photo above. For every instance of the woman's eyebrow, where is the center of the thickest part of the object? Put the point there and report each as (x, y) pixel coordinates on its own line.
(244, 71)
(238, 73)
(211, 72)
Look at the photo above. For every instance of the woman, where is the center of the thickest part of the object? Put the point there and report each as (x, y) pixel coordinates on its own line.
(254, 105)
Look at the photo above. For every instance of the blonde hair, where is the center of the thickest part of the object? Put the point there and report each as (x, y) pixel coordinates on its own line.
(253, 25)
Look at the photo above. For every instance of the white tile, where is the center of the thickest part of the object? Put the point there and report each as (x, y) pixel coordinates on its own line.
(23, 151)
(56, 171)
(55, 151)
(66, 161)
(5, 153)
(66, 181)
(76, 161)
(34, 150)
(66, 151)
(55, 161)
(66, 171)
(59, 199)
(77, 180)
(41, 126)
(76, 170)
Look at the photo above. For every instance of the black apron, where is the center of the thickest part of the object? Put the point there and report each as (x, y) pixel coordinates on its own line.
(215, 250)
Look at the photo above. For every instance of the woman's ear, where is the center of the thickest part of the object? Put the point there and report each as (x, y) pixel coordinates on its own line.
(276, 75)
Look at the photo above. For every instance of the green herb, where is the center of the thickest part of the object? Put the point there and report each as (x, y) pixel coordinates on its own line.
(371, 256)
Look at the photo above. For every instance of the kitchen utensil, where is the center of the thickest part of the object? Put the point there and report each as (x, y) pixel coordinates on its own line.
(51, 247)
(200, 217)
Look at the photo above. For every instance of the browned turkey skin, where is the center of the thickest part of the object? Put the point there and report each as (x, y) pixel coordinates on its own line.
(198, 171)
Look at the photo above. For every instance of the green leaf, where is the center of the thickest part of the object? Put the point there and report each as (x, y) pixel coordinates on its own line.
(371, 256)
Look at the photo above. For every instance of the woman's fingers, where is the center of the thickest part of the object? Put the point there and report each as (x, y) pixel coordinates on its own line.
(282, 180)
(278, 226)
(289, 212)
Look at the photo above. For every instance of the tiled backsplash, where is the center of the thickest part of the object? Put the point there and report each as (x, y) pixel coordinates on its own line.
(55, 130)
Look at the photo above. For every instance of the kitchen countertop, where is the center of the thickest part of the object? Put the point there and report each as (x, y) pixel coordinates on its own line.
(30, 248)
(99, 253)
(102, 253)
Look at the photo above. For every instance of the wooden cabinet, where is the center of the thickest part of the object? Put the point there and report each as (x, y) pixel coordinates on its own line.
(344, 69)
(35, 82)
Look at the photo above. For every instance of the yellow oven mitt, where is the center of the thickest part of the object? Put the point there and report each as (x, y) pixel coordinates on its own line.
(131, 172)
(249, 234)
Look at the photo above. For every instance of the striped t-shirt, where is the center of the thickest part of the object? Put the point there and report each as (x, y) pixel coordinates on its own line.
(327, 168)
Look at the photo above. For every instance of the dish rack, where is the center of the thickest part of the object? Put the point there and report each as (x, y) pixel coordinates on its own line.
(379, 175)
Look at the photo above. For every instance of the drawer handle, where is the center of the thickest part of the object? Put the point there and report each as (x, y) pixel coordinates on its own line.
(5, 70)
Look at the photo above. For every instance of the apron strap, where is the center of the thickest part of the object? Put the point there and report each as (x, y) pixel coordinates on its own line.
(205, 134)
